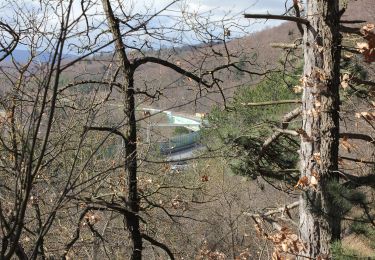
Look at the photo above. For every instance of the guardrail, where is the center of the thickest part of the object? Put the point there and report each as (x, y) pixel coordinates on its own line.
(179, 143)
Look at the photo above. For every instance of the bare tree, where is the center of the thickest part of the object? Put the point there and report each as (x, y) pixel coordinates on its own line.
(61, 160)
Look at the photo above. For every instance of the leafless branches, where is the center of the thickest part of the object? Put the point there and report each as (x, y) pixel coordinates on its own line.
(7, 45)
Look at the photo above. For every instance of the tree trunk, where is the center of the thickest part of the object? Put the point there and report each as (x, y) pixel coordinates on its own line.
(319, 218)
(132, 219)
(132, 168)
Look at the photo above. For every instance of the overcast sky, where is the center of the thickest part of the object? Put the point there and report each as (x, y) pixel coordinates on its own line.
(213, 10)
(220, 8)
(272, 6)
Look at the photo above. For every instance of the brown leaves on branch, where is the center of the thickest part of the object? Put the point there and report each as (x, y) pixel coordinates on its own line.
(316, 157)
(367, 48)
(346, 144)
(345, 80)
(91, 218)
(370, 116)
(297, 89)
(305, 182)
(285, 242)
(302, 182)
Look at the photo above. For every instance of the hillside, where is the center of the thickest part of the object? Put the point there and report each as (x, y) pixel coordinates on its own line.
(180, 94)
(86, 174)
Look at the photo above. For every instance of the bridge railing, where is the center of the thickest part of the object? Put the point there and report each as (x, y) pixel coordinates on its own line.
(179, 143)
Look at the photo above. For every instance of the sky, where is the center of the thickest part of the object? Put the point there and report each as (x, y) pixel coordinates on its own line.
(213, 10)
(259, 6)
(216, 10)
(219, 8)
(255, 6)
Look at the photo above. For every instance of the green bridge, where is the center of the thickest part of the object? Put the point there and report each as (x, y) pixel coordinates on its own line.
(179, 143)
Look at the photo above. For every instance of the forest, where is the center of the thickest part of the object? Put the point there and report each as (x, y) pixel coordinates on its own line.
(185, 130)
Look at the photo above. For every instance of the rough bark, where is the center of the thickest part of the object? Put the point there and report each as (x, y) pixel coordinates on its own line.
(132, 220)
(319, 218)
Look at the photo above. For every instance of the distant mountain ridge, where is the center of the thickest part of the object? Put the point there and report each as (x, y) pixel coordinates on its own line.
(178, 90)
(22, 56)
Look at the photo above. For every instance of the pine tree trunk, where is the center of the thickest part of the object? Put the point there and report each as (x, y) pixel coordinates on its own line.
(319, 217)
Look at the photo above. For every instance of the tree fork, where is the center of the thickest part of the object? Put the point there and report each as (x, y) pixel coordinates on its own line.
(132, 220)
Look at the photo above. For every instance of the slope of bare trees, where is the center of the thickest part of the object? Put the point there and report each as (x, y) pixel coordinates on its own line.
(78, 177)
(72, 159)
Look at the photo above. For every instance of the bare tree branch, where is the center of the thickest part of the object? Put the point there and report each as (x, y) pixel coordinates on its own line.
(271, 103)
(278, 17)
(107, 129)
(139, 62)
(356, 160)
(363, 82)
(284, 45)
(352, 21)
(285, 122)
(159, 244)
(298, 14)
(288, 132)
(358, 136)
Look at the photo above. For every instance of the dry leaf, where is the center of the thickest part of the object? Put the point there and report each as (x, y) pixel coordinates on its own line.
(317, 157)
(315, 174)
(34, 200)
(319, 48)
(345, 81)
(362, 46)
(92, 218)
(167, 167)
(315, 112)
(302, 182)
(313, 182)
(303, 80)
(366, 115)
(319, 73)
(285, 242)
(367, 48)
(341, 161)
(297, 89)
(368, 27)
(346, 145)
